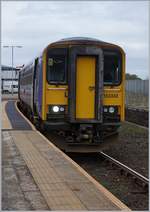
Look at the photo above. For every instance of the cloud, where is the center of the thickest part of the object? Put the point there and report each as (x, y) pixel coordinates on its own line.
(36, 24)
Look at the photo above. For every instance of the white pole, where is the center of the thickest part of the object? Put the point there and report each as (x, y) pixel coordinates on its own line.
(12, 66)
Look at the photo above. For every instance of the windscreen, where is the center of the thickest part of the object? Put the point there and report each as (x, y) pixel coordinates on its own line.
(112, 67)
(56, 69)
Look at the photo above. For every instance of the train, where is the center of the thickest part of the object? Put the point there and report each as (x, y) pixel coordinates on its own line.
(75, 87)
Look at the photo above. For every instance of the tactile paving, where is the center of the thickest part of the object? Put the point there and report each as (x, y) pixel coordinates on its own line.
(46, 177)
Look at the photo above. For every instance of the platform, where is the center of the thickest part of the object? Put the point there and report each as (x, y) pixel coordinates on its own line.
(51, 180)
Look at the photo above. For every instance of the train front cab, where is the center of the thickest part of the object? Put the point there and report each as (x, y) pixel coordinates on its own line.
(75, 100)
(74, 87)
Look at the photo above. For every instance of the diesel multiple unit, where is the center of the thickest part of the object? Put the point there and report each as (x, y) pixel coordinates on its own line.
(75, 87)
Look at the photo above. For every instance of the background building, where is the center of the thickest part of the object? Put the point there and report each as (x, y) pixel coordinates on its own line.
(9, 79)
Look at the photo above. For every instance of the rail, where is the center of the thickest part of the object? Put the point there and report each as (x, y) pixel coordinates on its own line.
(136, 175)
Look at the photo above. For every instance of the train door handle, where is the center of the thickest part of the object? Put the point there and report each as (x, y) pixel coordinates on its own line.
(91, 88)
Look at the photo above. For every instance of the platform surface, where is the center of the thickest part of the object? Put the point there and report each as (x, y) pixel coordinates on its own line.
(60, 183)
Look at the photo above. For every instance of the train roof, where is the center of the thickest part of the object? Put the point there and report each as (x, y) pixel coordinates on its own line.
(84, 41)
(79, 39)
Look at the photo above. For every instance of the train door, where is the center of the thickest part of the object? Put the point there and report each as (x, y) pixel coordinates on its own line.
(85, 84)
(85, 87)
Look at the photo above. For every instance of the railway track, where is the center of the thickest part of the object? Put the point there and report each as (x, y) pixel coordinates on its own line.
(138, 178)
(135, 124)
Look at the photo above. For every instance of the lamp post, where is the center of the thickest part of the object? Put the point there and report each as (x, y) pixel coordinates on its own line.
(12, 56)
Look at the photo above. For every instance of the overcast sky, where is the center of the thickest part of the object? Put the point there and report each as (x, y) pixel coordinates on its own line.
(36, 24)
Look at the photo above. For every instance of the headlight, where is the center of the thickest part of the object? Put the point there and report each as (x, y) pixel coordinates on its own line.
(105, 109)
(55, 109)
(62, 109)
(111, 109)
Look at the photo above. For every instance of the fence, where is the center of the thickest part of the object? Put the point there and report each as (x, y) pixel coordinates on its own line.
(137, 92)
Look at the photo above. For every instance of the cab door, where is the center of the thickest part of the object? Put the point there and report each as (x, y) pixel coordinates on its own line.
(85, 84)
